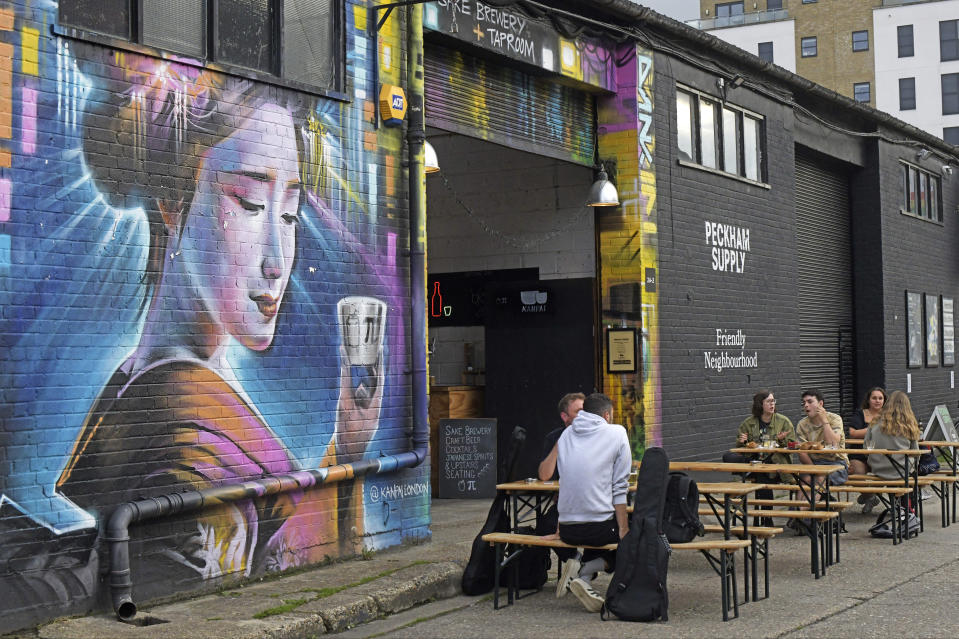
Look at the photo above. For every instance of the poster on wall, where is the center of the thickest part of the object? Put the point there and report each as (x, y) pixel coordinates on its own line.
(913, 329)
(948, 333)
(932, 330)
(621, 350)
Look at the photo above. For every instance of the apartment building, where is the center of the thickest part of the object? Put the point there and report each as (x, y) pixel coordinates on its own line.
(901, 56)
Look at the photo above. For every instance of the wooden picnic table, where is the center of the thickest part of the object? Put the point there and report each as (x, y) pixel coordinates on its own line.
(948, 450)
(818, 562)
(531, 496)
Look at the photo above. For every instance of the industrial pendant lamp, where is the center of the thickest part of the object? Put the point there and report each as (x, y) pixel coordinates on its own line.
(603, 192)
(431, 164)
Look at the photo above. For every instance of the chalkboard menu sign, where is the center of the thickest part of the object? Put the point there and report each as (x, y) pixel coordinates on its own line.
(467, 458)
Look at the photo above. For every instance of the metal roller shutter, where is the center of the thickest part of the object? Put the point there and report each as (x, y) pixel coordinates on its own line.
(825, 281)
(480, 99)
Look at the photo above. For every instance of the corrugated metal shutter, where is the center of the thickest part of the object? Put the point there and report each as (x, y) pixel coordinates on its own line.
(825, 281)
(482, 99)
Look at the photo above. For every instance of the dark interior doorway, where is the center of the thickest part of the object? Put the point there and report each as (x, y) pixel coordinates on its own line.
(539, 346)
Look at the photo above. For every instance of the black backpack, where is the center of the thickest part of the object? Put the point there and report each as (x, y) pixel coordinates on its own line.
(478, 574)
(532, 565)
(681, 519)
(638, 589)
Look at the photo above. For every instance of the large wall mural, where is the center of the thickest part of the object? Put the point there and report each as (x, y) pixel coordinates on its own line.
(628, 246)
(202, 284)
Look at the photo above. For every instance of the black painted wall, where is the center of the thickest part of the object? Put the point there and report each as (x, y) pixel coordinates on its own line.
(702, 407)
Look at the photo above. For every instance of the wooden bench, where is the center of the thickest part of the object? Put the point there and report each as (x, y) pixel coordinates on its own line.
(936, 481)
(758, 537)
(886, 492)
(724, 564)
(799, 503)
(820, 520)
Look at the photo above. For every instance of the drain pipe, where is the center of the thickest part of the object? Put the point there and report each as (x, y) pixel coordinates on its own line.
(118, 526)
(415, 135)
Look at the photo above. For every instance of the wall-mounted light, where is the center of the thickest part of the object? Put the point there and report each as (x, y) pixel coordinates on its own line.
(946, 169)
(430, 163)
(923, 154)
(723, 85)
(602, 192)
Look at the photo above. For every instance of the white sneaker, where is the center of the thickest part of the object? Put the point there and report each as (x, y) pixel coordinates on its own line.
(925, 494)
(590, 599)
(570, 572)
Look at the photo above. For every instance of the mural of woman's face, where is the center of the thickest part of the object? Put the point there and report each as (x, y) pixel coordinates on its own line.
(238, 240)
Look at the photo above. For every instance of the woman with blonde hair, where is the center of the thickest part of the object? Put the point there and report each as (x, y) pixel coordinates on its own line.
(896, 429)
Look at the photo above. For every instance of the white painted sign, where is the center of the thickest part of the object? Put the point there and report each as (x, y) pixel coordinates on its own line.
(720, 360)
(729, 244)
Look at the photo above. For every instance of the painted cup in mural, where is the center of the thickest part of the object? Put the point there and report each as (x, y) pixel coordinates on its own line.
(362, 322)
(362, 325)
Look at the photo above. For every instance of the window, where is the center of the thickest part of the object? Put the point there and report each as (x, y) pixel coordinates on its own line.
(297, 41)
(860, 41)
(809, 47)
(729, 9)
(950, 93)
(774, 4)
(949, 40)
(861, 92)
(809, 1)
(951, 134)
(766, 51)
(719, 136)
(907, 94)
(904, 36)
(920, 195)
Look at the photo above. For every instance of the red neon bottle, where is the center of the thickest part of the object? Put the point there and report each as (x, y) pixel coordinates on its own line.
(436, 301)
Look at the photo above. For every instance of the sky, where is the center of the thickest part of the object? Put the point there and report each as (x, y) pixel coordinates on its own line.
(677, 9)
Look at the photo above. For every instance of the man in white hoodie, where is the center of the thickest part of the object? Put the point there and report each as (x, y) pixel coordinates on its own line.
(594, 460)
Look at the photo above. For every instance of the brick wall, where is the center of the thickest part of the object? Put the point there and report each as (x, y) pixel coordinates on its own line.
(175, 248)
(702, 407)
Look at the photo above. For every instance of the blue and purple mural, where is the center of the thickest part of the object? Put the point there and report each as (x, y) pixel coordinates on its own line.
(202, 284)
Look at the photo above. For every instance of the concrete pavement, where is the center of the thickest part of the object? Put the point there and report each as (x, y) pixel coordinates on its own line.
(878, 589)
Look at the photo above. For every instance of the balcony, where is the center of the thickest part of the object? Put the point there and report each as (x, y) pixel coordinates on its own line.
(896, 3)
(755, 17)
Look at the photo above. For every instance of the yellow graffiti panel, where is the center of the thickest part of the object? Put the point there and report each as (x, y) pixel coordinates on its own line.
(6, 90)
(30, 51)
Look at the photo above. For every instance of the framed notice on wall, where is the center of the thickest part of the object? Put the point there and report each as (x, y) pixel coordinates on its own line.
(948, 333)
(621, 350)
(932, 330)
(913, 329)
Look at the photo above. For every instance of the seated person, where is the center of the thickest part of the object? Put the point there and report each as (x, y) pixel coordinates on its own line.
(867, 414)
(569, 407)
(765, 424)
(825, 428)
(594, 458)
(895, 429)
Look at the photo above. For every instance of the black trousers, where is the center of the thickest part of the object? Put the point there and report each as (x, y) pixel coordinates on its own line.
(593, 533)
(758, 477)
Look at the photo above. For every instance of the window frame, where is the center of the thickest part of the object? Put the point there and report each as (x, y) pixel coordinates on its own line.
(900, 40)
(759, 51)
(949, 130)
(772, 8)
(954, 93)
(922, 193)
(953, 41)
(340, 90)
(815, 47)
(720, 149)
(911, 83)
(864, 32)
(856, 86)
